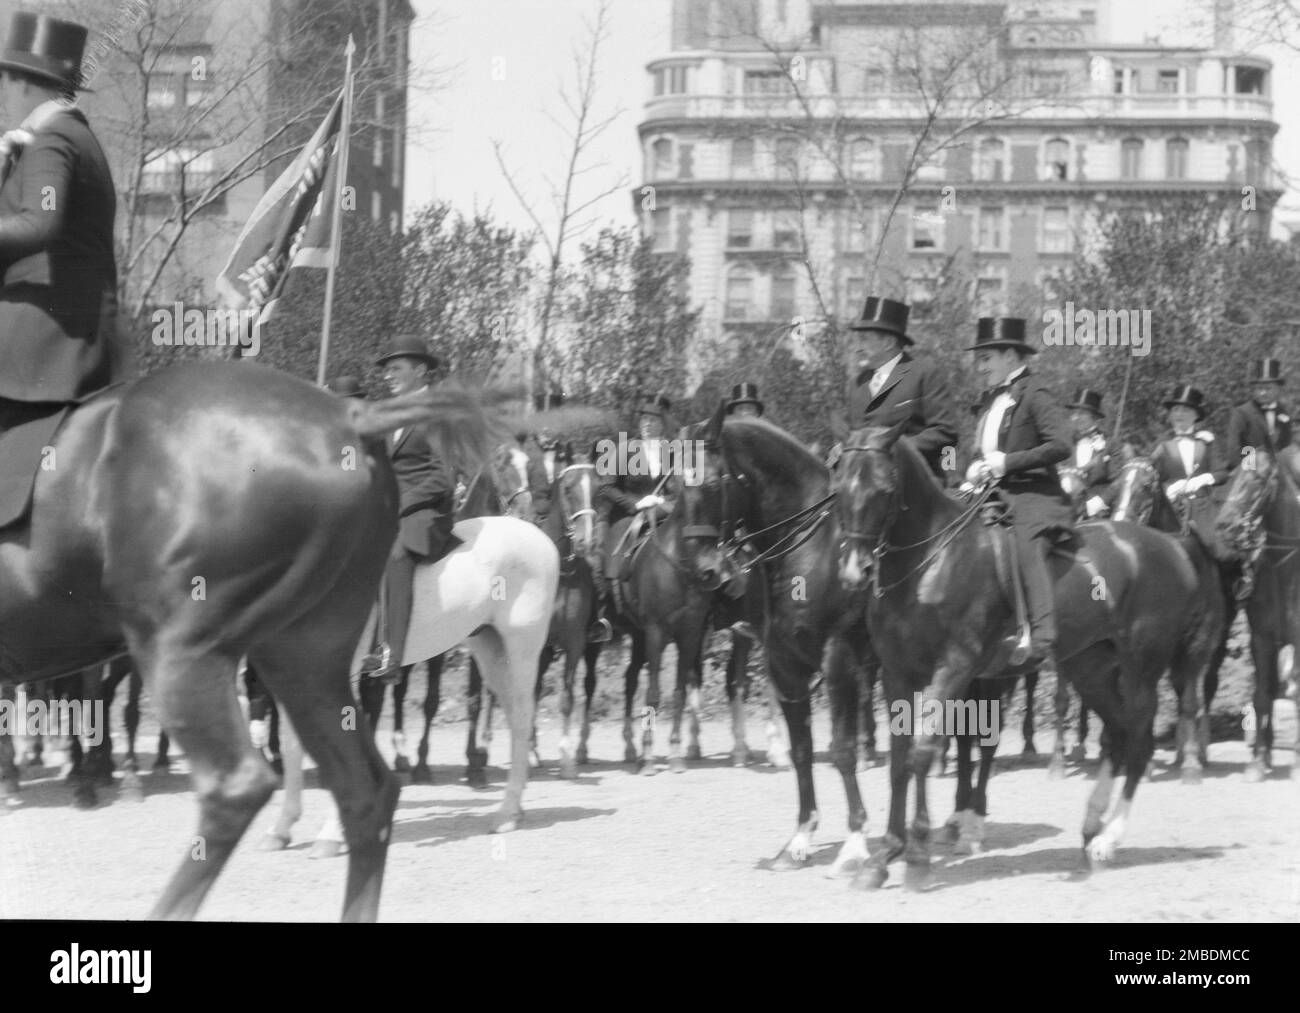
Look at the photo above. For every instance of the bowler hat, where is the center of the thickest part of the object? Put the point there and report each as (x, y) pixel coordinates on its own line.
(744, 393)
(44, 47)
(1001, 332)
(408, 346)
(1189, 397)
(346, 386)
(884, 315)
(1266, 371)
(1089, 401)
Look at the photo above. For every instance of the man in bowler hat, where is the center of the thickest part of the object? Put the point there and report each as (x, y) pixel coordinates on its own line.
(1023, 432)
(426, 489)
(892, 387)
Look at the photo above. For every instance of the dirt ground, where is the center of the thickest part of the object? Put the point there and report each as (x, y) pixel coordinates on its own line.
(615, 846)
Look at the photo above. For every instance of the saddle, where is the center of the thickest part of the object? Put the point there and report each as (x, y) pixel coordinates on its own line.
(632, 534)
(26, 447)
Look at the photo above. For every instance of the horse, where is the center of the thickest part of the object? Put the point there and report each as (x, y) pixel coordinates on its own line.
(760, 477)
(494, 592)
(1140, 498)
(1129, 604)
(207, 512)
(1260, 521)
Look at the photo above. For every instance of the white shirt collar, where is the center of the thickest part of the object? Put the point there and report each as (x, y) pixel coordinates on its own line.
(1014, 373)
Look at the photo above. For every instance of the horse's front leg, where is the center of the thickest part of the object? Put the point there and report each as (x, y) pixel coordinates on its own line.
(1263, 652)
(281, 835)
(843, 689)
(876, 871)
(1029, 751)
(654, 647)
(737, 697)
(590, 656)
(636, 657)
(918, 874)
(798, 722)
(421, 773)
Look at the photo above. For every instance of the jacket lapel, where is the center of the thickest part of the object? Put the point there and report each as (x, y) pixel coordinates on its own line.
(899, 372)
(394, 442)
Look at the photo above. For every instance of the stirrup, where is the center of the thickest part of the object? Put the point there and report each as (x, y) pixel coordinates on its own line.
(1243, 586)
(378, 662)
(744, 628)
(601, 632)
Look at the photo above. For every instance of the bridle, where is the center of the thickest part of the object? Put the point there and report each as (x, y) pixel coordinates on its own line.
(1138, 470)
(570, 519)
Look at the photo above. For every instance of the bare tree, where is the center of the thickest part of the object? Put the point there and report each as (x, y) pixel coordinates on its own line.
(582, 127)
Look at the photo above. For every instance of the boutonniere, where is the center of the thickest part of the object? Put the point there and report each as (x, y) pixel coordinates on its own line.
(12, 143)
(1283, 417)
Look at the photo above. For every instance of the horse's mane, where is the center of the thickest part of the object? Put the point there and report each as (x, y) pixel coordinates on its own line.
(916, 471)
(807, 464)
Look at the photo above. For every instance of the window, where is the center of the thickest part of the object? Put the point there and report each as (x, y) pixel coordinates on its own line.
(1130, 158)
(855, 294)
(742, 157)
(783, 306)
(920, 290)
(864, 159)
(394, 222)
(1121, 80)
(785, 231)
(1056, 159)
(767, 82)
(1256, 161)
(661, 158)
(179, 78)
(990, 160)
(873, 81)
(740, 295)
(992, 233)
(787, 158)
(740, 229)
(990, 293)
(927, 230)
(1167, 82)
(1247, 81)
(672, 81)
(1175, 158)
(395, 175)
(1056, 231)
(178, 171)
(1048, 82)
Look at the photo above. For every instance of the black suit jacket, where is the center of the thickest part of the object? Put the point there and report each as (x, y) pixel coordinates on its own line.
(916, 395)
(426, 489)
(58, 300)
(1248, 427)
(1206, 459)
(619, 492)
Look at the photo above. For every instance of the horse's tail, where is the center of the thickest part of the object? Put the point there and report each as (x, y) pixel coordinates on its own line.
(461, 423)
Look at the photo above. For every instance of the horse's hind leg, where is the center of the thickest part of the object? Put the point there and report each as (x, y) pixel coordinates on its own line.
(478, 704)
(1027, 726)
(400, 763)
(636, 657)
(868, 674)
(1056, 767)
(280, 836)
(421, 774)
(196, 698)
(590, 656)
(513, 678)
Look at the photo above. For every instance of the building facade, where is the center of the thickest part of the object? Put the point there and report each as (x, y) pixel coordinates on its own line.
(778, 133)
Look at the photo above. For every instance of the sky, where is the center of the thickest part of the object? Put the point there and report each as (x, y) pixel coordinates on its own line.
(501, 65)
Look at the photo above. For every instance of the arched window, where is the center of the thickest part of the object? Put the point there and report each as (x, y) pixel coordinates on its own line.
(740, 294)
(661, 158)
(1130, 158)
(742, 157)
(990, 160)
(1176, 158)
(864, 159)
(1056, 159)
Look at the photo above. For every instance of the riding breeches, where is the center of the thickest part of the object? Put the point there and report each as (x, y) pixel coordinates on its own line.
(397, 589)
(1032, 550)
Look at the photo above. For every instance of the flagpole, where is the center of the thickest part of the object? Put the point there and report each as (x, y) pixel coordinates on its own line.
(336, 230)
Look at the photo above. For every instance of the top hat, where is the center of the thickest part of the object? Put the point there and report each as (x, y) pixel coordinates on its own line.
(1001, 332)
(346, 386)
(653, 404)
(1266, 371)
(1189, 397)
(45, 47)
(884, 315)
(744, 393)
(408, 346)
(1088, 400)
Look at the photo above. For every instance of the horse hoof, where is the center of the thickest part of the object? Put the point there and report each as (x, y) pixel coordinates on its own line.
(569, 770)
(646, 767)
(786, 862)
(951, 832)
(677, 765)
(1029, 752)
(506, 824)
(476, 777)
(271, 841)
(629, 755)
(85, 798)
(1077, 755)
(1254, 772)
(421, 774)
(327, 849)
(740, 758)
(162, 766)
(871, 878)
(693, 753)
(401, 764)
(917, 878)
(582, 756)
(1056, 769)
(779, 761)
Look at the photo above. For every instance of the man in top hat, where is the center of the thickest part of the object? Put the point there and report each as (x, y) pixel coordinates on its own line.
(892, 387)
(346, 386)
(426, 489)
(1092, 451)
(1189, 462)
(626, 496)
(744, 401)
(1262, 423)
(1022, 434)
(58, 297)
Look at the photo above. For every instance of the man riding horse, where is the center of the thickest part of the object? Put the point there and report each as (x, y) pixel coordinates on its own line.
(1023, 432)
(426, 489)
(58, 299)
(1092, 454)
(892, 387)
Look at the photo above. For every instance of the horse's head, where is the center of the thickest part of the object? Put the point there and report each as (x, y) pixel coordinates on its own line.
(1250, 492)
(510, 474)
(866, 486)
(701, 489)
(1136, 491)
(575, 498)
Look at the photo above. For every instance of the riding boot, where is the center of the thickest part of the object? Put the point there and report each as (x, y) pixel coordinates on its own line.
(1039, 602)
(602, 630)
(385, 662)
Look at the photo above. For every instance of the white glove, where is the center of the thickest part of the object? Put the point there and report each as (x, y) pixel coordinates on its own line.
(1199, 482)
(1174, 489)
(977, 472)
(1095, 506)
(260, 733)
(646, 502)
(997, 463)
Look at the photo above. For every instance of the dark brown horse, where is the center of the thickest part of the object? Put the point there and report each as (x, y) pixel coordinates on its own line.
(1261, 521)
(208, 512)
(1129, 607)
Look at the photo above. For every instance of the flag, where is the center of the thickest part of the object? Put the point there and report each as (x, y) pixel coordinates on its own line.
(291, 225)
